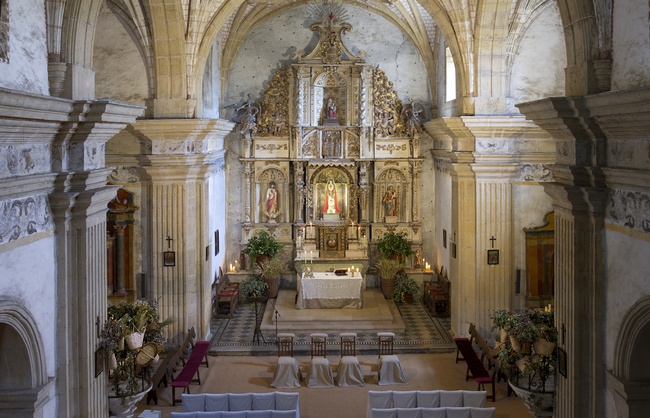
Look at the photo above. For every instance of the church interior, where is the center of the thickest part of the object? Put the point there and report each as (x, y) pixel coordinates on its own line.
(144, 143)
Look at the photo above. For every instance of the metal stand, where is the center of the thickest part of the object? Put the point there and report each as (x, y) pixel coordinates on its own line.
(258, 324)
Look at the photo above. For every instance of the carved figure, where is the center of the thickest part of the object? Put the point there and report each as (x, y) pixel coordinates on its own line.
(249, 121)
(411, 113)
(331, 109)
(384, 126)
(331, 204)
(390, 202)
(272, 199)
(278, 124)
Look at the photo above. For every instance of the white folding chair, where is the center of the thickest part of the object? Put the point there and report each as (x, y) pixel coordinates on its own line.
(404, 399)
(184, 414)
(320, 371)
(384, 413)
(483, 412)
(208, 414)
(216, 402)
(193, 402)
(409, 413)
(288, 401)
(349, 371)
(390, 369)
(427, 398)
(380, 399)
(287, 369)
(451, 398)
(459, 412)
(263, 401)
(240, 401)
(434, 412)
(474, 398)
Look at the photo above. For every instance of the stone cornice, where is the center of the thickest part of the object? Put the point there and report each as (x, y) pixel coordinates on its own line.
(182, 136)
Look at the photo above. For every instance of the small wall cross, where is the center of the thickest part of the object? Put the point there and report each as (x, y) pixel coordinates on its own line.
(493, 240)
(169, 241)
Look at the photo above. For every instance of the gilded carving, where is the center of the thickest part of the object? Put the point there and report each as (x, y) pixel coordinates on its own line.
(274, 119)
(22, 217)
(388, 115)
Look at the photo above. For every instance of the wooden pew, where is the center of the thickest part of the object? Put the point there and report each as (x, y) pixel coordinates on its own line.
(198, 355)
(476, 366)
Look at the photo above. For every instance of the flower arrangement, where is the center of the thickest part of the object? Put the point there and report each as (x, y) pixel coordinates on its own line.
(129, 362)
(405, 288)
(254, 287)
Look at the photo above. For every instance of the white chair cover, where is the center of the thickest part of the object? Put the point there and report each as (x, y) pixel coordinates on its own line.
(183, 414)
(234, 414)
(459, 412)
(193, 402)
(349, 372)
(474, 398)
(483, 412)
(287, 373)
(320, 373)
(434, 412)
(263, 401)
(451, 398)
(240, 401)
(428, 398)
(404, 399)
(208, 414)
(262, 413)
(409, 413)
(216, 402)
(384, 413)
(381, 399)
(390, 371)
(288, 401)
(283, 414)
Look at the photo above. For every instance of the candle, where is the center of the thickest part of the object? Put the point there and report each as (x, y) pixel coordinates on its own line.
(357, 269)
(311, 256)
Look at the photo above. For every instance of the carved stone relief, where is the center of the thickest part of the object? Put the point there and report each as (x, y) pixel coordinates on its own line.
(23, 160)
(22, 217)
(535, 172)
(124, 175)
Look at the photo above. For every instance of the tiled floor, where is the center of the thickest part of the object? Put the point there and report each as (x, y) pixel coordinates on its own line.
(423, 334)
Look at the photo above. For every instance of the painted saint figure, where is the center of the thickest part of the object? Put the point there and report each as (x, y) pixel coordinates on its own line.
(390, 202)
(331, 204)
(271, 200)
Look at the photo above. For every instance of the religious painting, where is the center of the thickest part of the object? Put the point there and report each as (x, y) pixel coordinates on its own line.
(169, 258)
(493, 257)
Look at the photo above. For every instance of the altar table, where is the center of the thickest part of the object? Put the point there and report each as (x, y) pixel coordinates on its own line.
(327, 290)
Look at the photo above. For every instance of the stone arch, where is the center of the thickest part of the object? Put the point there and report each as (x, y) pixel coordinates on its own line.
(24, 384)
(632, 343)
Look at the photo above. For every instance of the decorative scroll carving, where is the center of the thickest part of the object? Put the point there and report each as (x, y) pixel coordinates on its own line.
(22, 217)
(353, 147)
(271, 147)
(124, 175)
(274, 119)
(630, 209)
(535, 172)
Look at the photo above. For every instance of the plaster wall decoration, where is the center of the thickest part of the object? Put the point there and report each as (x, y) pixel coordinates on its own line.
(123, 175)
(535, 172)
(22, 217)
(20, 160)
(441, 165)
(4, 31)
(629, 208)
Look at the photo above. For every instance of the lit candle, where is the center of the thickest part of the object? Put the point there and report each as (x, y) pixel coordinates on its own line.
(311, 256)
(348, 270)
(357, 269)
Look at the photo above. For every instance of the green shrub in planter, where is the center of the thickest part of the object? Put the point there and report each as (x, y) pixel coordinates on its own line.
(406, 289)
(395, 245)
(254, 287)
(262, 244)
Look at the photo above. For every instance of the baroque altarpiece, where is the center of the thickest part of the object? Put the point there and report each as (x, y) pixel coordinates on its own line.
(331, 155)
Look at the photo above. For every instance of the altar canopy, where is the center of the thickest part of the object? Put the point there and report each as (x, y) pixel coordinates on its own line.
(329, 291)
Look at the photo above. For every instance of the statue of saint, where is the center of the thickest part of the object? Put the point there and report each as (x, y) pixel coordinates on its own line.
(390, 202)
(249, 120)
(331, 109)
(331, 204)
(272, 199)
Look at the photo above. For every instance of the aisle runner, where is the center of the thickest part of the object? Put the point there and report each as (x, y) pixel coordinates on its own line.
(423, 334)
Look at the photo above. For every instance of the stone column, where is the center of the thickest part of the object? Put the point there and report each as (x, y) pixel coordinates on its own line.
(416, 169)
(579, 196)
(178, 167)
(364, 191)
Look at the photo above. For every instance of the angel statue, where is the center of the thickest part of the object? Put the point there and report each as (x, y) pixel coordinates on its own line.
(411, 113)
(249, 120)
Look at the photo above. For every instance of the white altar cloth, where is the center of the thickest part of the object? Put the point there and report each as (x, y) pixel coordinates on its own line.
(327, 290)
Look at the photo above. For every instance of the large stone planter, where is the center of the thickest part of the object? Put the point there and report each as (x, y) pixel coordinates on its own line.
(540, 404)
(125, 406)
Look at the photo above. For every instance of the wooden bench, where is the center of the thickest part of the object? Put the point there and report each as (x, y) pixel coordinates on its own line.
(198, 355)
(224, 293)
(476, 366)
(437, 296)
(162, 374)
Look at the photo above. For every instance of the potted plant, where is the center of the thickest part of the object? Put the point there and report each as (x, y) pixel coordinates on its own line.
(523, 333)
(130, 372)
(254, 287)
(271, 270)
(395, 246)
(531, 376)
(262, 246)
(387, 270)
(502, 321)
(406, 289)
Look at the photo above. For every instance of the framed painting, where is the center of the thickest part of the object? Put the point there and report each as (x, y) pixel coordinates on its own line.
(561, 361)
(493, 257)
(169, 258)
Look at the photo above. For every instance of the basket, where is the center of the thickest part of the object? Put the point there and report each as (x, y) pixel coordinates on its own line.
(147, 354)
(274, 287)
(112, 362)
(134, 340)
(387, 287)
(544, 347)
